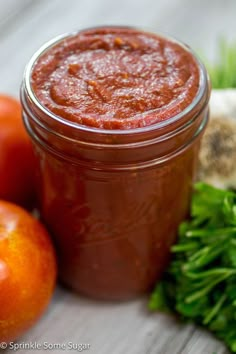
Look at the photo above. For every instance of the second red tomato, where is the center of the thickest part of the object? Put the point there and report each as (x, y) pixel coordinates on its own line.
(16, 155)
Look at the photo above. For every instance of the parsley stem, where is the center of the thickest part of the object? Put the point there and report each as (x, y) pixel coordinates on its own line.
(203, 292)
(211, 272)
(215, 309)
(214, 232)
(184, 247)
(205, 255)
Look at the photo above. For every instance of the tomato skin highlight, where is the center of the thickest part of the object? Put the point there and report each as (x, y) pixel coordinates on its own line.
(16, 155)
(27, 271)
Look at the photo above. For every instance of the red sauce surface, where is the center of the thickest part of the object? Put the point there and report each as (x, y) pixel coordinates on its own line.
(116, 78)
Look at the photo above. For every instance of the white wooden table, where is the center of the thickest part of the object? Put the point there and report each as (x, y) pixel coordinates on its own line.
(125, 328)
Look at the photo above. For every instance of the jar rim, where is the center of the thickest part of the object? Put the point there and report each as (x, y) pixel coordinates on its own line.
(203, 83)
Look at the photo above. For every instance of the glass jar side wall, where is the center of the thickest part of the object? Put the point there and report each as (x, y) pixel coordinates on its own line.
(113, 230)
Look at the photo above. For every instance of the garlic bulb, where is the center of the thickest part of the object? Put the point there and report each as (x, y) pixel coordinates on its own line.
(217, 160)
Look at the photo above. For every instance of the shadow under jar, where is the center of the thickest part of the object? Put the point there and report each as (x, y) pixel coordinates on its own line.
(115, 115)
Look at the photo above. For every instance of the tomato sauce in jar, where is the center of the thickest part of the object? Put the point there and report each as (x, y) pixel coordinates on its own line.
(115, 115)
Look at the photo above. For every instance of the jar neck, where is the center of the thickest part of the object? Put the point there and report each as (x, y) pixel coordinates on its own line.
(146, 147)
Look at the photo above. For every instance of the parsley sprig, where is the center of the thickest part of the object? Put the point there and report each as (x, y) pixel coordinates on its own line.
(200, 283)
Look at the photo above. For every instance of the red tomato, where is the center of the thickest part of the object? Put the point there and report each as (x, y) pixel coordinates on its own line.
(27, 271)
(16, 155)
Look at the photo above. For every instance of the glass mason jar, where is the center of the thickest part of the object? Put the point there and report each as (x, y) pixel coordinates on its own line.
(113, 199)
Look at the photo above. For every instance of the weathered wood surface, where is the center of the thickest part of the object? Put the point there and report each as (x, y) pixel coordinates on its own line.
(24, 26)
